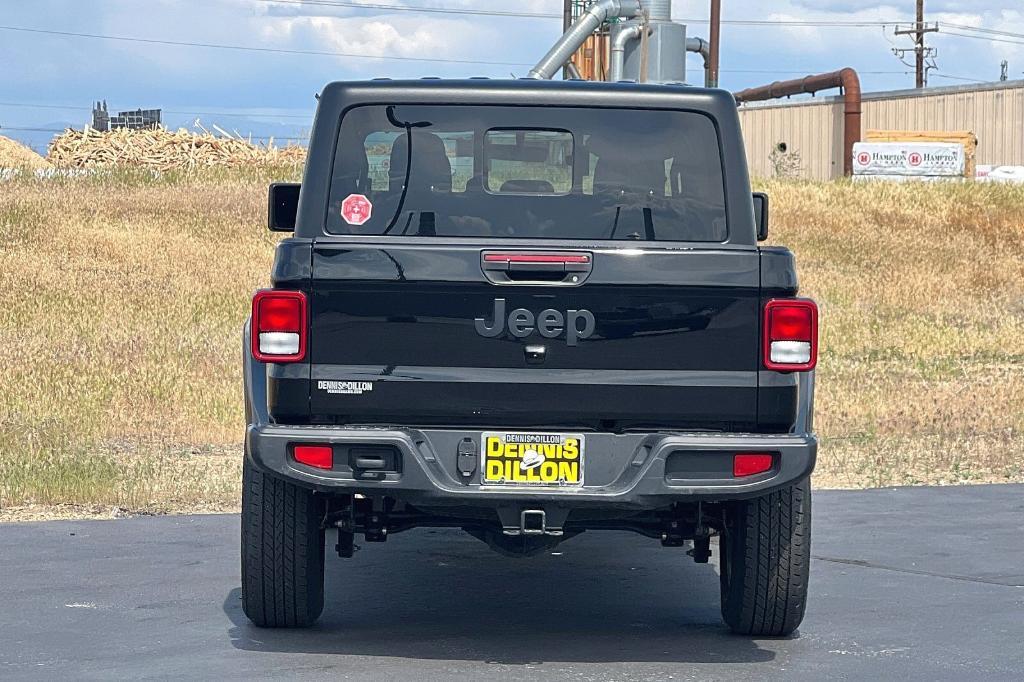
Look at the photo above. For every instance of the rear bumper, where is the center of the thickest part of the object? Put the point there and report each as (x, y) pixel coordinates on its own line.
(635, 471)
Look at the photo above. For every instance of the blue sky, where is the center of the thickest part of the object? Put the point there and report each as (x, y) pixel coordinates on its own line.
(273, 92)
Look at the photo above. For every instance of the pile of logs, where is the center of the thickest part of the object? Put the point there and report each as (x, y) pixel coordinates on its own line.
(161, 149)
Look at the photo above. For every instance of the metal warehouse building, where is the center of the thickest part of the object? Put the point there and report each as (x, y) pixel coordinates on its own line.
(813, 128)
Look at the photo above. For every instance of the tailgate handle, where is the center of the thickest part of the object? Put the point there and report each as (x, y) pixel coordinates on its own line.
(557, 268)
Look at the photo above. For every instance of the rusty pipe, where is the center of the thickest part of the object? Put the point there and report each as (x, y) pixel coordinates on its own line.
(847, 79)
(715, 38)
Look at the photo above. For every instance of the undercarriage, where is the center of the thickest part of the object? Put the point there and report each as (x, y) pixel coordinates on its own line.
(520, 531)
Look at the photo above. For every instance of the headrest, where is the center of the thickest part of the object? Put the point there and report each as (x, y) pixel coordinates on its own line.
(632, 175)
(431, 168)
(527, 187)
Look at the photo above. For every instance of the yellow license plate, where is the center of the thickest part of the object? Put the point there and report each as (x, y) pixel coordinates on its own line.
(538, 459)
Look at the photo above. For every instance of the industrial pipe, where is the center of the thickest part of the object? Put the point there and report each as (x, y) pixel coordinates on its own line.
(658, 10)
(571, 40)
(703, 48)
(566, 23)
(716, 44)
(847, 79)
(617, 64)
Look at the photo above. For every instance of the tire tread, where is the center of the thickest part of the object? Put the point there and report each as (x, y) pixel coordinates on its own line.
(767, 543)
(282, 552)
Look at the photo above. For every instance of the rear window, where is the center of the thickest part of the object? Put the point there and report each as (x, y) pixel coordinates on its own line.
(528, 173)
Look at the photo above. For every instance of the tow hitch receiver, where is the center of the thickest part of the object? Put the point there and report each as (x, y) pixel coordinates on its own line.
(532, 522)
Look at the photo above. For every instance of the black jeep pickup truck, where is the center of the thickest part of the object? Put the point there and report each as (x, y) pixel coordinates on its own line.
(528, 309)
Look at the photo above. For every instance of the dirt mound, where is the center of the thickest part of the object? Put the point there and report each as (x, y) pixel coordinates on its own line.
(16, 155)
(162, 149)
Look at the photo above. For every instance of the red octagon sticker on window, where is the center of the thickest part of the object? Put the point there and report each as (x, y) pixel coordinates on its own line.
(356, 209)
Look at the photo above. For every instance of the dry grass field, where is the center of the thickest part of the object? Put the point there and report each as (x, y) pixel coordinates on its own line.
(122, 298)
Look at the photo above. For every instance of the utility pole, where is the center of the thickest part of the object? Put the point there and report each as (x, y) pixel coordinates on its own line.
(1004, 71)
(921, 53)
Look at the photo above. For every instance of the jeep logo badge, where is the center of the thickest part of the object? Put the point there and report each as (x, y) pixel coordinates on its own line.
(574, 324)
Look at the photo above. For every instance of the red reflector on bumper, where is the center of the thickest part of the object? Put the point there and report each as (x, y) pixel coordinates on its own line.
(319, 456)
(750, 464)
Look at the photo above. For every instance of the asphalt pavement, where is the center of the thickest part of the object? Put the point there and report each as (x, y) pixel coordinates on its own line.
(924, 583)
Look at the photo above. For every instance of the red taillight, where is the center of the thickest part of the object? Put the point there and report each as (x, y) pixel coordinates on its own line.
(751, 464)
(791, 335)
(318, 456)
(279, 326)
(280, 314)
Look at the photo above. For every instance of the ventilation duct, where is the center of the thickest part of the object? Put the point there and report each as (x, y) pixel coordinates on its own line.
(598, 13)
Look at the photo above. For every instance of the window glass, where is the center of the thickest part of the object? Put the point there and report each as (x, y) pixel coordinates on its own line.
(378, 148)
(528, 161)
(528, 173)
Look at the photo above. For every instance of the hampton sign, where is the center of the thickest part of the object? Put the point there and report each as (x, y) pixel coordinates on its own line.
(937, 159)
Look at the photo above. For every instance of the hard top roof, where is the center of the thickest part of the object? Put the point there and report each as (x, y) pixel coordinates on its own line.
(525, 91)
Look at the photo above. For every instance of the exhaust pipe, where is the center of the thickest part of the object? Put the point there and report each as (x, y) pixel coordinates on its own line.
(566, 46)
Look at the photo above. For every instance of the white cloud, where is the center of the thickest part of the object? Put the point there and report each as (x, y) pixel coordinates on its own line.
(384, 36)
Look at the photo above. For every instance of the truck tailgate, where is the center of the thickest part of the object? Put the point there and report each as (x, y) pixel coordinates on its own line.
(652, 338)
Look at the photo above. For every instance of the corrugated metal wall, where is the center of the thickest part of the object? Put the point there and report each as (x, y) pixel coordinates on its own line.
(813, 129)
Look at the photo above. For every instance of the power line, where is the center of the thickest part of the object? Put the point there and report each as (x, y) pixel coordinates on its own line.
(991, 39)
(31, 130)
(300, 117)
(825, 23)
(979, 29)
(416, 8)
(60, 107)
(743, 22)
(21, 129)
(810, 70)
(322, 53)
(249, 48)
(76, 107)
(544, 15)
(957, 78)
(807, 23)
(307, 52)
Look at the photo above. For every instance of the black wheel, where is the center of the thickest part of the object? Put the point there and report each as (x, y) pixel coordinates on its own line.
(282, 552)
(765, 562)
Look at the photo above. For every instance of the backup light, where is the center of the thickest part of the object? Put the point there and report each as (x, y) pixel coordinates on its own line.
(279, 326)
(791, 335)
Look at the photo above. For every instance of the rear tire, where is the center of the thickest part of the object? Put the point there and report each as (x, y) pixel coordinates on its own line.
(282, 552)
(765, 562)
